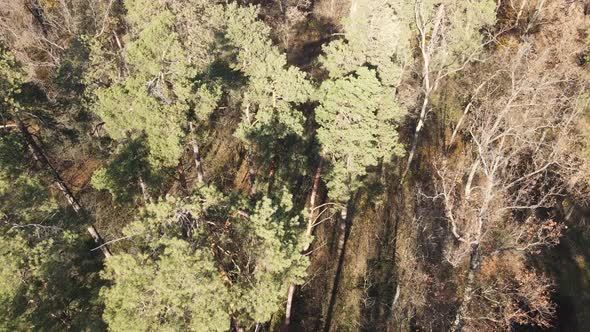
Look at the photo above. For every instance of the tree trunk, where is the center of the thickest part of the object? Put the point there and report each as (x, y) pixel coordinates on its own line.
(312, 201)
(40, 156)
(419, 127)
(308, 232)
(196, 155)
(289, 305)
(342, 237)
(468, 292)
(427, 87)
(251, 172)
(144, 191)
(38, 14)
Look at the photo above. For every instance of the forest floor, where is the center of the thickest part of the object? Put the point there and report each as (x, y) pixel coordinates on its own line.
(568, 264)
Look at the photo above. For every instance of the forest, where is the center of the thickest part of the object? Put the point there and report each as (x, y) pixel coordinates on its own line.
(295, 165)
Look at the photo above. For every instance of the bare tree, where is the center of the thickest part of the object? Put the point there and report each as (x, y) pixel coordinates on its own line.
(446, 46)
(293, 13)
(39, 33)
(515, 165)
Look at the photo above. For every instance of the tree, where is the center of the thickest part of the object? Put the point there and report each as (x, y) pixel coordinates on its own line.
(376, 33)
(241, 263)
(142, 103)
(48, 275)
(273, 90)
(156, 91)
(276, 245)
(48, 279)
(178, 290)
(497, 197)
(357, 119)
(449, 38)
(13, 104)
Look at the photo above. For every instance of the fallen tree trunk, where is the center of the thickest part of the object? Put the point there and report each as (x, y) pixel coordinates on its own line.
(40, 156)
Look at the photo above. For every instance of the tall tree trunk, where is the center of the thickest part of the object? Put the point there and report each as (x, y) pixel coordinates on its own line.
(40, 156)
(427, 86)
(312, 201)
(308, 232)
(342, 237)
(417, 131)
(468, 292)
(196, 155)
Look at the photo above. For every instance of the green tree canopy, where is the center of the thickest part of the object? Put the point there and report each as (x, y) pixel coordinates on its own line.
(48, 280)
(203, 259)
(177, 290)
(378, 33)
(273, 89)
(358, 119)
(155, 89)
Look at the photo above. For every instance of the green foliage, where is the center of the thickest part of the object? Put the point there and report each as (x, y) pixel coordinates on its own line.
(103, 67)
(179, 290)
(462, 27)
(242, 272)
(129, 109)
(273, 87)
(12, 151)
(28, 203)
(357, 118)
(275, 244)
(377, 33)
(11, 80)
(208, 96)
(198, 22)
(121, 175)
(11, 262)
(358, 113)
(159, 90)
(48, 276)
(69, 76)
(173, 217)
(47, 284)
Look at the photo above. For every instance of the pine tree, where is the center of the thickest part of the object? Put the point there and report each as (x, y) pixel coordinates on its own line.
(48, 275)
(48, 279)
(275, 245)
(357, 118)
(376, 33)
(142, 103)
(240, 258)
(156, 90)
(357, 113)
(178, 289)
(273, 90)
